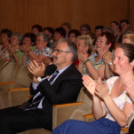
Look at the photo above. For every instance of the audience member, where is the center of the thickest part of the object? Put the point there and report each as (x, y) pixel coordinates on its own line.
(73, 34)
(128, 38)
(49, 31)
(59, 33)
(64, 88)
(67, 27)
(94, 64)
(41, 52)
(107, 29)
(111, 103)
(125, 26)
(98, 30)
(84, 45)
(28, 42)
(36, 29)
(116, 29)
(85, 29)
(15, 53)
(5, 39)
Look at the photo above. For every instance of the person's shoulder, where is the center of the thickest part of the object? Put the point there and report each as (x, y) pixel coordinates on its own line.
(73, 71)
(112, 79)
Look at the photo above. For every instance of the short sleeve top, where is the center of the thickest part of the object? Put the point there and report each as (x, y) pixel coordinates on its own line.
(119, 101)
(96, 65)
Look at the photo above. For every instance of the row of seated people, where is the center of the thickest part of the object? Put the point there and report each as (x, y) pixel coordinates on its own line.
(11, 49)
(62, 84)
(102, 48)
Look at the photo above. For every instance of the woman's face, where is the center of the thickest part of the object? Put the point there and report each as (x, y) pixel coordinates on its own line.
(121, 62)
(35, 31)
(101, 44)
(72, 37)
(27, 41)
(4, 38)
(57, 36)
(14, 40)
(126, 41)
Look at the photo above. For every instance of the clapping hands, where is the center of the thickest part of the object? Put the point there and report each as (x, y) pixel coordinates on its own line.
(96, 89)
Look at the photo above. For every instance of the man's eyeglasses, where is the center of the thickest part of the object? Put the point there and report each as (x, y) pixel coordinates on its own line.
(58, 51)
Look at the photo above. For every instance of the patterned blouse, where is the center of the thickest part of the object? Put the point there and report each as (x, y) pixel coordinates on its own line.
(96, 65)
(119, 101)
(45, 51)
(4, 53)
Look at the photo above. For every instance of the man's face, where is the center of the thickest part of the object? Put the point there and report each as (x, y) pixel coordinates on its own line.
(84, 31)
(61, 55)
(124, 26)
(97, 32)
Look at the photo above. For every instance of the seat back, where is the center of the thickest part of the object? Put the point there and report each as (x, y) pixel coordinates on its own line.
(24, 78)
(9, 72)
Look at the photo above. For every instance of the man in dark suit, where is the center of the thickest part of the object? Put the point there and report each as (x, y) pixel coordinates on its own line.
(61, 84)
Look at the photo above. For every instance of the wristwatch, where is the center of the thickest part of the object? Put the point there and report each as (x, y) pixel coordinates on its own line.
(110, 63)
(39, 79)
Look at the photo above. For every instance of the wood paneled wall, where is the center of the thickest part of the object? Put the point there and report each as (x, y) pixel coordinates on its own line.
(20, 15)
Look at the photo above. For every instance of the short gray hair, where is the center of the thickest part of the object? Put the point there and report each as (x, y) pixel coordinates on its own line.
(45, 37)
(72, 47)
(19, 36)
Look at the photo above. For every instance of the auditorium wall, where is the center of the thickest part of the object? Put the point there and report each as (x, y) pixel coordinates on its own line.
(20, 15)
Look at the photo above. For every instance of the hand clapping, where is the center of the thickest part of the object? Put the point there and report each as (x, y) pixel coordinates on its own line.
(36, 69)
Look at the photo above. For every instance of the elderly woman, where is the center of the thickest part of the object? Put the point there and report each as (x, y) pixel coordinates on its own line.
(15, 52)
(111, 104)
(41, 52)
(5, 39)
(94, 65)
(73, 34)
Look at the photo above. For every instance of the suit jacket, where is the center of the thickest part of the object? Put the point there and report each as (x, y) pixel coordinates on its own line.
(65, 89)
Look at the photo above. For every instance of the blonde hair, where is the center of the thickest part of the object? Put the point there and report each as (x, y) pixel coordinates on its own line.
(130, 37)
(88, 41)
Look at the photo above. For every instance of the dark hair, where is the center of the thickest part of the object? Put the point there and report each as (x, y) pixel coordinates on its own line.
(31, 36)
(74, 31)
(67, 24)
(86, 26)
(38, 27)
(124, 21)
(110, 38)
(99, 27)
(115, 22)
(61, 31)
(7, 32)
(128, 50)
(72, 47)
(50, 30)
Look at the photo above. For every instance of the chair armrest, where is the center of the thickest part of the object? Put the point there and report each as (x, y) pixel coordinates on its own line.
(6, 83)
(18, 96)
(63, 112)
(18, 89)
(89, 117)
(124, 129)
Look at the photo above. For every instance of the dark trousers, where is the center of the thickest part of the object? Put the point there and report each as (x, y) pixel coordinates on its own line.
(14, 120)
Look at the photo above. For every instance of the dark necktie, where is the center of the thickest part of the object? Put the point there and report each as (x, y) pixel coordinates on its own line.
(37, 100)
